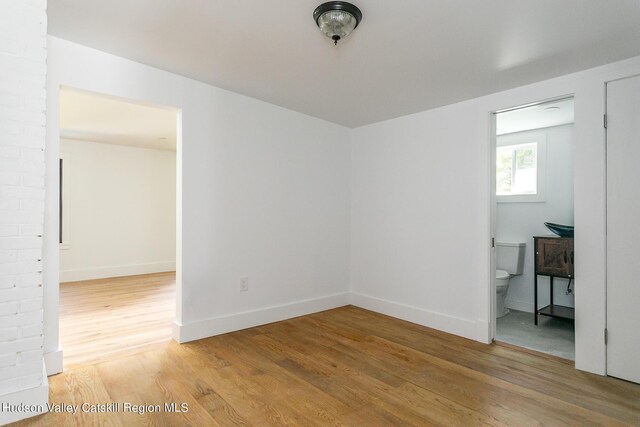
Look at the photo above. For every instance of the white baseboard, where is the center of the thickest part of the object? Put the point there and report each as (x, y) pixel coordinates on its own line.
(519, 305)
(116, 271)
(235, 322)
(475, 330)
(33, 400)
(53, 362)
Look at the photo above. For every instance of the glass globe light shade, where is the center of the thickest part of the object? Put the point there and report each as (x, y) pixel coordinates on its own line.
(336, 24)
(337, 19)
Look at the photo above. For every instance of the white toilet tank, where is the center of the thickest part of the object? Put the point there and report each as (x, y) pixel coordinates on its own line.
(510, 257)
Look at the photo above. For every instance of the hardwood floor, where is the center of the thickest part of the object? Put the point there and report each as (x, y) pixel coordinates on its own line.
(346, 366)
(103, 318)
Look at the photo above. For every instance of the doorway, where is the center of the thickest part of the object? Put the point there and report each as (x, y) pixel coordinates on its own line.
(532, 189)
(117, 219)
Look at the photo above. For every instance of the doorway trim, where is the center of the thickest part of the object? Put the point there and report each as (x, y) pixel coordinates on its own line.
(51, 247)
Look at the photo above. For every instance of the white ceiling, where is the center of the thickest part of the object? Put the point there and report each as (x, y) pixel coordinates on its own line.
(406, 56)
(535, 117)
(88, 116)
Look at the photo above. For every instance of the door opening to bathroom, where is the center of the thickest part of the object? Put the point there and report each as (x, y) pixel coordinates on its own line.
(533, 227)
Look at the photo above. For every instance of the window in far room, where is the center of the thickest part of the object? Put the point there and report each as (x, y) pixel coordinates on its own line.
(63, 202)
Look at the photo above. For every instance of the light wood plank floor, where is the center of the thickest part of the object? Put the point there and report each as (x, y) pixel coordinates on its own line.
(346, 366)
(104, 318)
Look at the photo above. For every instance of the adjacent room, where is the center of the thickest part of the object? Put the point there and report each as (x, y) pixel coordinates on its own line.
(363, 213)
(534, 227)
(117, 226)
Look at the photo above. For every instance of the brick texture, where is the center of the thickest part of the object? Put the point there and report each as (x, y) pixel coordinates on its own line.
(23, 54)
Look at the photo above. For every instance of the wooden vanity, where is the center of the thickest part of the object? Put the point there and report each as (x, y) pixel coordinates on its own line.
(553, 257)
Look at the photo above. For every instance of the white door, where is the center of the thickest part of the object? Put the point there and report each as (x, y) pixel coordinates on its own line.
(623, 229)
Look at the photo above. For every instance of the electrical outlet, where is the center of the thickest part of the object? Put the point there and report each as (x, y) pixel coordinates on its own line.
(244, 284)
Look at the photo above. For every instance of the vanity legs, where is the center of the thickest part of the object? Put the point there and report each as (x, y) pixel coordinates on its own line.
(535, 299)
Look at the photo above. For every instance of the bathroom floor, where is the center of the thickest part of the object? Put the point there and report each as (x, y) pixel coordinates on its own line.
(552, 335)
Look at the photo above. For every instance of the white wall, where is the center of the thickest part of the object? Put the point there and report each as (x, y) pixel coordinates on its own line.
(23, 53)
(120, 212)
(519, 222)
(418, 223)
(422, 204)
(262, 192)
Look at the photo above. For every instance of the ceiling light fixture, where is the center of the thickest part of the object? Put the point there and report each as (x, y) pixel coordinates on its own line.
(337, 19)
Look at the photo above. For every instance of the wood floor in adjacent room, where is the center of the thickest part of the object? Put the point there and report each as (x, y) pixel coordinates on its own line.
(105, 318)
(346, 366)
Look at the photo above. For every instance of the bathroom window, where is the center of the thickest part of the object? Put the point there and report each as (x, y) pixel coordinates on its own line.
(517, 169)
(520, 169)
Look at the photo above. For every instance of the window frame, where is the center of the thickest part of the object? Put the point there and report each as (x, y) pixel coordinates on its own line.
(64, 208)
(525, 138)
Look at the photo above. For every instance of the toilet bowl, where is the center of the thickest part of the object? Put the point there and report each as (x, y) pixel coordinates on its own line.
(509, 263)
(502, 285)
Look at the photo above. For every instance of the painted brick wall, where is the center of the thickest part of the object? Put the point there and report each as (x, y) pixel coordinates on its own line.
(23, 50)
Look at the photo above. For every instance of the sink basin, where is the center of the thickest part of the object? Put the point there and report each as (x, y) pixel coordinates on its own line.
(560, 230)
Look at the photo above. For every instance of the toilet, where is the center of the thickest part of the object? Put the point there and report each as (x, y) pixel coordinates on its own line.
(509, 263)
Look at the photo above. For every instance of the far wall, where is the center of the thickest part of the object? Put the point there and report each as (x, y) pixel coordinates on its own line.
(519, 222)
(120, 210)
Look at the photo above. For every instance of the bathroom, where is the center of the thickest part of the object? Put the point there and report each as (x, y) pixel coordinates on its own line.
(534, 186)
